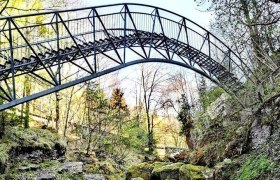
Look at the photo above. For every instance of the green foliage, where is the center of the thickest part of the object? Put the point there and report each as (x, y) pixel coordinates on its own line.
(95, 97)
(184, 116)
(210, 96)
(256, 166)
(136, 135)
(202, 90)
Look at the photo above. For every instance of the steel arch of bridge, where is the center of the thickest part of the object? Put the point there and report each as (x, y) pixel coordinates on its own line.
(94, 41)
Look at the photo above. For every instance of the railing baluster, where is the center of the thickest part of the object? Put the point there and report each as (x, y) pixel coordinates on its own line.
(124, 34)
(94, 39)
(57, 44)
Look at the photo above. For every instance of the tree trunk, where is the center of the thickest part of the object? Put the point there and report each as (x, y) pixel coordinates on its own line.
(253, 31)
(90, 132)
(2, 125)
(27, 86)
(189, 141)
(68, 111)
(57, 114)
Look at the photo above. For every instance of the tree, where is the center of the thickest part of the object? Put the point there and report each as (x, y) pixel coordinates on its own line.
(117, 100)
(202, 93)
(18, 7)
(118, 104)
(150, 81)
(26, 7)
(184, 116)
(2, 121)
(95, 104)
(250, 27)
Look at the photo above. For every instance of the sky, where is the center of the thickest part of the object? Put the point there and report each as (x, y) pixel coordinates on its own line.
(187, 8)
(126, 78)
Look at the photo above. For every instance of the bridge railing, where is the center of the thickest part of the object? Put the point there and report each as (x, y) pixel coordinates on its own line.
(44, 26)
(31, 36)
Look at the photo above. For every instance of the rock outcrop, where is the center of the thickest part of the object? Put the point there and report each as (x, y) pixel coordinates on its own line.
(163, 171)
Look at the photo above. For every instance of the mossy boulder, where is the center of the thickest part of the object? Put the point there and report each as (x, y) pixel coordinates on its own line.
(192, 172)
(33, 144)
(4, 155)
(142, 170)
(170, 171)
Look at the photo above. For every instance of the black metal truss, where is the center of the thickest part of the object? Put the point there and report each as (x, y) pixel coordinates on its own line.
(133, 37)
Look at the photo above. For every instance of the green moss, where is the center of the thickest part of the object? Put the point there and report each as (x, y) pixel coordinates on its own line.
(191, 167)
(256, 166)
(5, 148)
(33, 137)
(167, 168)
(4, 153)
(17, 140)
(108, 166)
(67, 176)
(117, 177)
(268, 119)
(142, 170)
(211, 95)
(92, 168)
(170, 171)
(52, 165)
(159, 164)
(189, 171)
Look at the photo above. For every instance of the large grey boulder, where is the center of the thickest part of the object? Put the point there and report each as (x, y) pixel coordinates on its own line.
(259, 134)
(30, 167)
(72, 167)
(94, 177)
(45, 175)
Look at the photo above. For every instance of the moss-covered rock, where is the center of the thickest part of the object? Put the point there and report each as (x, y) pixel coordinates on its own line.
(32, 144)
(192, 172)
(143, 170)
(170, 171)
(4, 155)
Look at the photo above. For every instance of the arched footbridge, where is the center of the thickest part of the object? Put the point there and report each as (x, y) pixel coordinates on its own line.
(60, 49)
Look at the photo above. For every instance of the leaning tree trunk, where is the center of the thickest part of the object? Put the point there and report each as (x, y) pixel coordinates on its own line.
(189, 141)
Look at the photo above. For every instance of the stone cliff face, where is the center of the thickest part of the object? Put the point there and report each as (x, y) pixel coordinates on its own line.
(35, 145)
(229, 144)
(40, 154)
